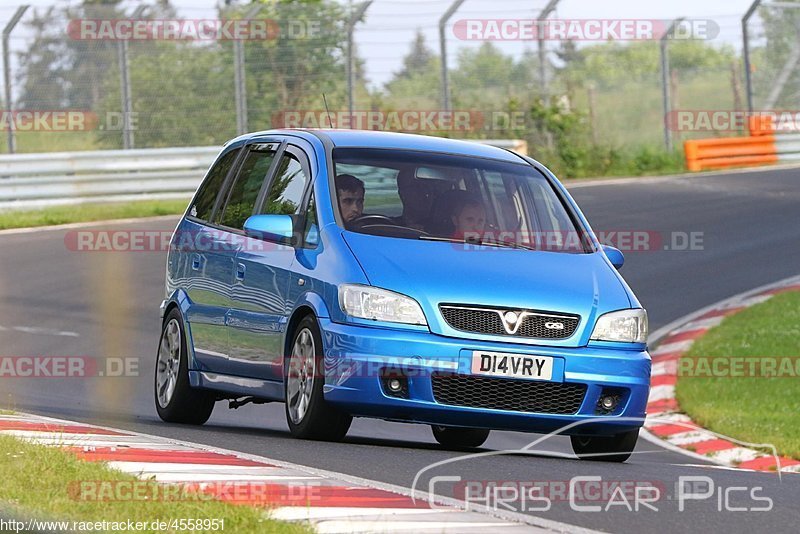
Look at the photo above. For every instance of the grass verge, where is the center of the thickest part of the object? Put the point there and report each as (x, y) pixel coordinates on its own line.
(90, 212)
(751, 408)
(41, 482)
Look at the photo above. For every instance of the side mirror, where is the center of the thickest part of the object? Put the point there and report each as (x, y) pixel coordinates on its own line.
(276, 228)
(614, 255)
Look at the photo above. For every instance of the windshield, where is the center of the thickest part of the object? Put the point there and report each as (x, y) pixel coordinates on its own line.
(428, 196)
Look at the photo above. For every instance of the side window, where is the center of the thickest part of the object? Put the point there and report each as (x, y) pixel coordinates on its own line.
(311, 228)
(207, 193)
(286, 191)
(244, 193)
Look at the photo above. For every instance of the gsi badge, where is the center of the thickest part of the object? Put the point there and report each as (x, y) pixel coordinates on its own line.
(554, 326)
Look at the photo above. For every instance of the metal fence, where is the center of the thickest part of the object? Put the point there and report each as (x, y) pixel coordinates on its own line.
(189, 88)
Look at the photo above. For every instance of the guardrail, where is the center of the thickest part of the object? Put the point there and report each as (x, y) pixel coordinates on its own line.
(62, 178)
(761, 147)
(39, 180)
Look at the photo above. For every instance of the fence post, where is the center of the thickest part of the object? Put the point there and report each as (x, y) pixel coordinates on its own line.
(12, 142)
(665, 82)
(125, 86)
(549, 8)
(239, 77)
(355, 16)
(443, 53)
(746, 52)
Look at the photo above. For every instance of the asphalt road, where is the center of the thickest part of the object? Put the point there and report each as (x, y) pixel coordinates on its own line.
(105, 305)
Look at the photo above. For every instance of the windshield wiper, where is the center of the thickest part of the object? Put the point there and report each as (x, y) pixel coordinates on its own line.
(480, 242)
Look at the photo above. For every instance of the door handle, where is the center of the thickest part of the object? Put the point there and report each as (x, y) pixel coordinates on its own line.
(196, 262)
(240, 268)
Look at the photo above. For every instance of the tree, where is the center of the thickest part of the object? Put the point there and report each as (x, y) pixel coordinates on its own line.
(305, 59)
(418, 84)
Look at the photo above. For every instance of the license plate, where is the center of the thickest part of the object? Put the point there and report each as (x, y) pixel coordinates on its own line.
(512, 365)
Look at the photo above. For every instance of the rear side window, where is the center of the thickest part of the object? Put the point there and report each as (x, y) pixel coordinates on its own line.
(244, 192)
(207, 194)
(286, 192)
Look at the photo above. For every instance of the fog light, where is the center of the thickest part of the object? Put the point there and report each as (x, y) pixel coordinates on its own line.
(609, 402)
(394, 383)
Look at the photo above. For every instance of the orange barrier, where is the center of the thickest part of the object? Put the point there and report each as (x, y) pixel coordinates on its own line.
(760, 125)
(730, 152)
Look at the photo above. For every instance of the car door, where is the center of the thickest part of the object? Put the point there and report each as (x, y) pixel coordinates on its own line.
(260, 303)
(204, 269)
(221, 241)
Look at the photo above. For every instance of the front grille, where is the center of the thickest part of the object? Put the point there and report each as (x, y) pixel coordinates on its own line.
(526, 396)
(490, 321)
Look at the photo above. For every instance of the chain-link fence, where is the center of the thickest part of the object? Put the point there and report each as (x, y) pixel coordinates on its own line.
(120, 75)
(774, 42)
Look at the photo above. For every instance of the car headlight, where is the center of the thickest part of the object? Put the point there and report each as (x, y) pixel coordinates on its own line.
(624, 325)
(368, 302)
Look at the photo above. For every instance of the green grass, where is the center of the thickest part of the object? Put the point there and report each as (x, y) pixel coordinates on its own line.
(40, 481)
(753, 409)
(90, 212)
(28, 142)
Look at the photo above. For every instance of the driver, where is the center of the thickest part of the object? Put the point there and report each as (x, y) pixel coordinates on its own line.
(350, 191)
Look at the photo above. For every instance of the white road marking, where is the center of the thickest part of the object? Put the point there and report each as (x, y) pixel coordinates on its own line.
(209, 477)
(312, 513)
(664, 368)
(343, 526)
(45, 331)
(678, 346)
(661, 392)
(746, 302)
(700, 324)
(690, 437)
(202, 469)
(668, 419)
(735, 455)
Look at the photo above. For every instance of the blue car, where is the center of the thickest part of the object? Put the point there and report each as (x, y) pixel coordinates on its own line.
(402, 277)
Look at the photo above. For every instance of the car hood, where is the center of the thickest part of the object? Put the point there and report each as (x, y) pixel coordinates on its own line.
(434, 273)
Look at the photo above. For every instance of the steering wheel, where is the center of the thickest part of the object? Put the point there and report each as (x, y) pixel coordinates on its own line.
(386, 223)
(367, 220)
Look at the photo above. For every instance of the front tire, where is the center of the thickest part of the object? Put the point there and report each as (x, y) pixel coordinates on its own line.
(307, 413)
(616, 448)
(176, 400)
(459, 438)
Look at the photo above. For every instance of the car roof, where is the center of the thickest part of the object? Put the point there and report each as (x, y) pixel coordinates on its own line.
(377, 139)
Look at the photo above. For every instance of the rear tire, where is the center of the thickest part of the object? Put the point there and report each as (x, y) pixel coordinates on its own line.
(616, 448)
(176, 400)
(459, 438)
(307, 413)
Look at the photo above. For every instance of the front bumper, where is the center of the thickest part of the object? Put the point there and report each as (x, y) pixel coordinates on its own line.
(356, 355)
